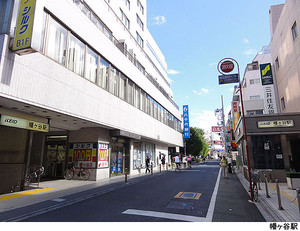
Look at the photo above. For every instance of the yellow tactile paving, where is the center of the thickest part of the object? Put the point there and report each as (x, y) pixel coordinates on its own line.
(23, 193)
(286, 195)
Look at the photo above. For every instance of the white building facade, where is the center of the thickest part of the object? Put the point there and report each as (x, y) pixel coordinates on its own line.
(91, 88)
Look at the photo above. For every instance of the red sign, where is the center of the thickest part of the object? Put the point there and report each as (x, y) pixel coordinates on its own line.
(216, 129)
(227, 66)
(218, 142)
(234, 106)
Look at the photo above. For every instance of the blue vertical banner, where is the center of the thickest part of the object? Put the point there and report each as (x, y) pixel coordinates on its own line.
(186, 122)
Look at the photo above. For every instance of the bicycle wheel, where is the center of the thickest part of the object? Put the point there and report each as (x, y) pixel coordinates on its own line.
(69, 174)
(85, 174)
(255, 192)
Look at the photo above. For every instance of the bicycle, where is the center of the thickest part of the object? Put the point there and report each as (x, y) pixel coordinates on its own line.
(83, 173)
(34, 176)
(255, 181)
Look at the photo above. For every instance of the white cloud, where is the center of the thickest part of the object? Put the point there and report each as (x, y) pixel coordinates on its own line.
(205, 120)
(159, 20)
(205, 90)
(246, 41)
(173, 72)
(250, 52)
(197, 92)
(213, 64)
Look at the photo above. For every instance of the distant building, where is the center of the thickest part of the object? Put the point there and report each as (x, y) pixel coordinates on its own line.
(81, 81)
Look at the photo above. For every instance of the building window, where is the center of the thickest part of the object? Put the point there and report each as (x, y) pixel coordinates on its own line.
(125, 19)
(139, 22)
(113, 80)
(130, 92)
(282, 103)
(76, 55)
(294, 31)
(139, 40)
(91, 65)
(127, 3)
(140, 6)
(255, 112)
(277, 63)
(122, 92)
(137, 97)
(56, 42)
(103, 74)
(254, 81)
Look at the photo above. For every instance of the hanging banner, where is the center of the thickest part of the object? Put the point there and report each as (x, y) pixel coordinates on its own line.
(268, 88)
(24, 26)
(186, 125)
(235, 114)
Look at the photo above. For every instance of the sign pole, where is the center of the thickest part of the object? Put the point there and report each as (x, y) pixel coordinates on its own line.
(228, 66)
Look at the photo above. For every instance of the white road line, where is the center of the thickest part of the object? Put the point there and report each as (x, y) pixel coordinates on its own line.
(213, 199)
(172, 216)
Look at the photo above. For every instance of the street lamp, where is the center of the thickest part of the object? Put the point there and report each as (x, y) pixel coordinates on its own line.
(229, 60)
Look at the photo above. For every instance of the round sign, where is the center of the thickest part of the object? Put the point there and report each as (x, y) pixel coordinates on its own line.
(227, 66)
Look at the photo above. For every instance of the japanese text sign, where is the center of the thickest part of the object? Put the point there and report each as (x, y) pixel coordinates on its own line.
(24, 25)
(103, 156)
(83, 154)
(186, 123)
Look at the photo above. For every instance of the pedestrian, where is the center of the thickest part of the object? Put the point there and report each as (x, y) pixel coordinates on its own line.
(229, 161)
(177, 162)
(189, 161)
(147, 164)
(184, 161)
(224, 164)
(163, 161)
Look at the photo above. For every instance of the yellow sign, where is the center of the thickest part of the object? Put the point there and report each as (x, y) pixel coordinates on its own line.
(24, 25)
(264, 71)
(11, 121)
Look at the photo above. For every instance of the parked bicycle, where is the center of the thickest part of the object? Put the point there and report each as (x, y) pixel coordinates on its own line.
(34, 176)
(255, 182)
(83, 173)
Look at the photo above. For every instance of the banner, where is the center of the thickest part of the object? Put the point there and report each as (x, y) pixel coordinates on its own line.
(186, 125)
(24, 25)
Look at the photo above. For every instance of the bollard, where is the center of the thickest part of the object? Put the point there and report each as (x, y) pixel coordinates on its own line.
(278, 195)
(298, 197)
(266, 183)
(159, 168)
(151, 169)
(125, 175)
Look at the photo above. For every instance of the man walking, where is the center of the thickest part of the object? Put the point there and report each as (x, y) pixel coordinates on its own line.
(223, 164)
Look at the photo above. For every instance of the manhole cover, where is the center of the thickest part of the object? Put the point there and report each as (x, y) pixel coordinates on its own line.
(188, 195)
(181, 204)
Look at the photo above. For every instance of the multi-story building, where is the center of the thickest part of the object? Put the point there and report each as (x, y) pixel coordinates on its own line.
(84, 82)
(273, 138)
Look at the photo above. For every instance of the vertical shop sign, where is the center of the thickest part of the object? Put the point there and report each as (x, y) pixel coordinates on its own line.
(103, 155)
(268, 88)
(24, 25)
(235, 114)
(120, 162)
(83, 154)
(186, 123)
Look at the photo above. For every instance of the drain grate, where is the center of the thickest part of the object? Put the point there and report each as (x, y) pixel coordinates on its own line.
(188, 195)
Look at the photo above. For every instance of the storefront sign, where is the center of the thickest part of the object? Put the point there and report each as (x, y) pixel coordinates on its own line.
(125, 134)
(216, 129)
(235, 113)
(268, 88)
(275, 124)
(186, 123)
(16, 122)
(24, 27)
(83, 154)
(103, 156)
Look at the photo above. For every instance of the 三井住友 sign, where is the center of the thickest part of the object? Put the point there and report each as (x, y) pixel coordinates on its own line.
(275, 124)
(186, 125)
(16, 122)
(24, 27)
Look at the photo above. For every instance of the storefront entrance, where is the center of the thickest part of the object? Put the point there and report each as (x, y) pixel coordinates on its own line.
(119, 159)
(55, 156)
(295, 161)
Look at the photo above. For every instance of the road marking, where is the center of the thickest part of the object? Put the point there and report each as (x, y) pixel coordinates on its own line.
(24, 193)
(171, 216)
(213, 199)
(181, 195)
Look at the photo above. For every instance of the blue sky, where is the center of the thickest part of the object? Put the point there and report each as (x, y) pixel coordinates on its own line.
(194, 35)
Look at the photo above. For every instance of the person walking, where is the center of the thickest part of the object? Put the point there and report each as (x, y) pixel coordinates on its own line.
(189, 161)
(177, 162)
(223, 164)
(147, 164)
(163, 161)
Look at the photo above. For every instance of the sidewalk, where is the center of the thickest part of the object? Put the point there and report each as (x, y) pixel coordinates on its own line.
(269, 206)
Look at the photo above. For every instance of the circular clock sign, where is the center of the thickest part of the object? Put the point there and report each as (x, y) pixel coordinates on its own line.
(227, 66)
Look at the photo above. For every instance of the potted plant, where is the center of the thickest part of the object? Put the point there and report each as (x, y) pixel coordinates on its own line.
(293, 179)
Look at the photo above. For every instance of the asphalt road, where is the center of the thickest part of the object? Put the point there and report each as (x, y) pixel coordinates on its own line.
(171, 196)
